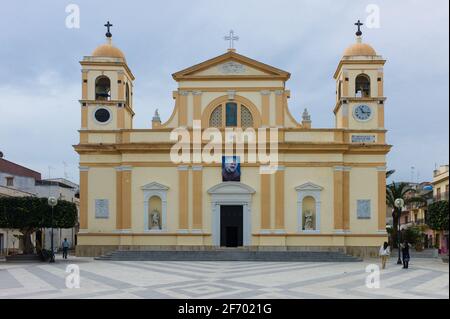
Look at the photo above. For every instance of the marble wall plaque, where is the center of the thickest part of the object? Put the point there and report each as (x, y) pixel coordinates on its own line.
(363, 209)
(101, 208)
(363, 138)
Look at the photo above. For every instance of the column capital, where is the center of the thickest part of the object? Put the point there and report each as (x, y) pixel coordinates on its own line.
(381, 168)
(265, 92)
(197, 92)
(182, 167)
(279, 92)
(197, 168)
(124, 168)
(338, 168)
(183, 93)
(83, 168)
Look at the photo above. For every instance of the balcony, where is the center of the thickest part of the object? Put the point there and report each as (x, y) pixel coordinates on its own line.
(441, 196)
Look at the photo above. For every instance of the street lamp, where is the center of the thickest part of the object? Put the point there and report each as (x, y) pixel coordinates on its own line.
(52, 201)
(399, 203)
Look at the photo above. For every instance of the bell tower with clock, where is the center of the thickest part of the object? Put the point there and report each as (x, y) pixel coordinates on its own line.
(107, 90)
(359, 87)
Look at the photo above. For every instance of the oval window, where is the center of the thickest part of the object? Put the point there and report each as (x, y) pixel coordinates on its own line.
(102, 115)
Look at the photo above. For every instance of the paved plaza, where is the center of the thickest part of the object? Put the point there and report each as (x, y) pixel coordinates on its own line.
(426, 278)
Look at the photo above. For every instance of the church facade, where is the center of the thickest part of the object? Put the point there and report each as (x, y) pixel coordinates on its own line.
(326, 191)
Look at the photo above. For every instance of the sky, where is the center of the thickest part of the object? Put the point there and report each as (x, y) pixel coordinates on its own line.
(41, 78)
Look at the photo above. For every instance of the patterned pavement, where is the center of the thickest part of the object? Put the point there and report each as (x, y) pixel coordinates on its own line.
(426, 278)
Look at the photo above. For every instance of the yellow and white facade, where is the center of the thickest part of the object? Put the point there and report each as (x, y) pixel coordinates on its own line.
(336, 176)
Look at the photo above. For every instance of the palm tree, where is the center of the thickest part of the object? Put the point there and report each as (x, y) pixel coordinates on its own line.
(400, 190)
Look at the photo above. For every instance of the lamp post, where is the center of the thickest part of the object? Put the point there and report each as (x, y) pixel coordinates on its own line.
(52, 201)
(399, 203)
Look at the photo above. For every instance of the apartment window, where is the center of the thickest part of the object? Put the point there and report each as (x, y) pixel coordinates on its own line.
(9, 181)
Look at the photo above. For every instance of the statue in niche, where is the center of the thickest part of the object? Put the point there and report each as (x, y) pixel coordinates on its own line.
(308, 220)
(155, 220)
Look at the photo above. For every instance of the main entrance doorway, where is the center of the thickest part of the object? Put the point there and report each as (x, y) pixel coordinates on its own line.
(231, 225)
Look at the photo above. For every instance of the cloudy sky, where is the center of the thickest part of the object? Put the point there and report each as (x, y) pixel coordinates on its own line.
(39, 109)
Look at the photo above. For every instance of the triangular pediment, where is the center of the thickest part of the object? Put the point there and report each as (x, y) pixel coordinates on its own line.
(154, 186)
(231, 64)
(309, 187)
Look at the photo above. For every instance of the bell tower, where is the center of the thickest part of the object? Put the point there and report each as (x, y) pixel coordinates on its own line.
(359, 87)
(107, 89)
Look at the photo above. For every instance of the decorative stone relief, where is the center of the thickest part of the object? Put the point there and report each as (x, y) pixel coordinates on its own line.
(231, 68)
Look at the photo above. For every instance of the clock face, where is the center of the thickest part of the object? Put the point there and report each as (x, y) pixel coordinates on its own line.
(362, 112)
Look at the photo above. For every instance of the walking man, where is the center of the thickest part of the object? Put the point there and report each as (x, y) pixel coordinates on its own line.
(65, 246)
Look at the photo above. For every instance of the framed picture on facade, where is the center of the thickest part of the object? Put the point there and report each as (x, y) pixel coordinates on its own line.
(231, 169)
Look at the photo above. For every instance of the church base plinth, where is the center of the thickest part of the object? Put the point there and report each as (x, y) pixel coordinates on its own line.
(99, 250)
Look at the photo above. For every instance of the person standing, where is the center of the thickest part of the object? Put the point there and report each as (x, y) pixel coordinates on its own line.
(405, 254)
(385, 252)
(65, 245)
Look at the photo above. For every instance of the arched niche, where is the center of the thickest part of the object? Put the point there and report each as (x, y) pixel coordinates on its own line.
(308, 207)
(155, 197)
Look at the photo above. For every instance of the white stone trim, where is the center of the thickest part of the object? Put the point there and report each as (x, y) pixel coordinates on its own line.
(83, 168)
(102, 107)
(159, 190)
(197, 168)
(306, 190)
(231, 193)
(182, 167)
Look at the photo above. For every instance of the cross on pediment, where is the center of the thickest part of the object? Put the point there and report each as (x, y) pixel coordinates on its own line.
(231, 38)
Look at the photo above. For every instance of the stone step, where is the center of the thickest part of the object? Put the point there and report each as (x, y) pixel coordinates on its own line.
(22, 258)
(228, 255)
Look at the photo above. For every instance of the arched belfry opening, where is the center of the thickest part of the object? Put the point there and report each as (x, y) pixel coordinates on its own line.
(362, 86)
(127, 94)
(103, 88)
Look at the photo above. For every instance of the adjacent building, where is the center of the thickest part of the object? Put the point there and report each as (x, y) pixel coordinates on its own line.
(20, 181)
(440, 192)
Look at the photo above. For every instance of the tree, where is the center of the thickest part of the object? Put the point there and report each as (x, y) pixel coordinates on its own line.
(399, 190)
(437, 215)
(28, 214)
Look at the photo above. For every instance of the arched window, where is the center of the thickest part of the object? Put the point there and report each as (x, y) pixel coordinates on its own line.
(339, 92)
(127, 95)
(231, 114)
(216, 117)
(246, 117)
(103, 88)
(362, 86)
